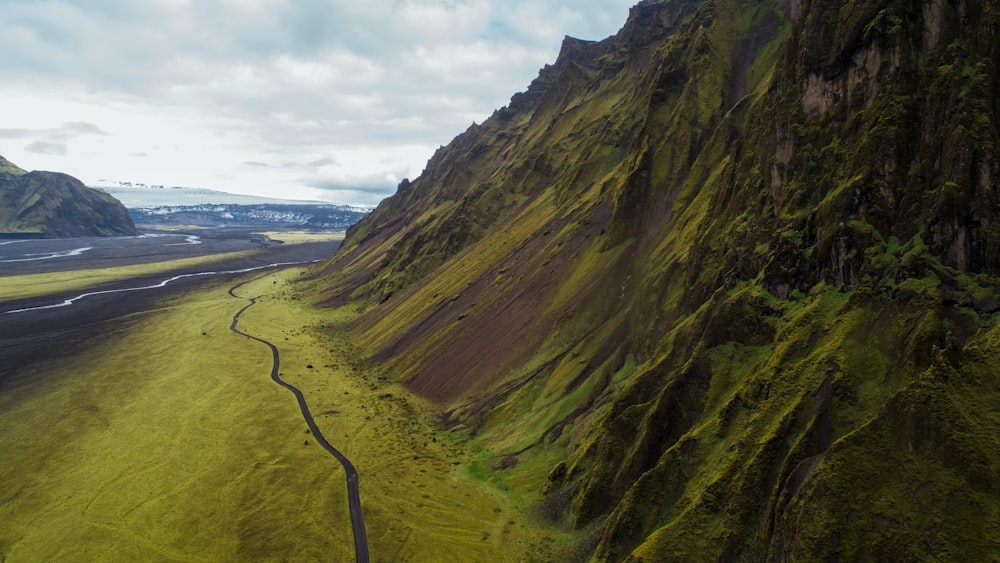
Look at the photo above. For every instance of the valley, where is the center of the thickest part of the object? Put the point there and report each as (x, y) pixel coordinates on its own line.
(137, 426)
(721, 286)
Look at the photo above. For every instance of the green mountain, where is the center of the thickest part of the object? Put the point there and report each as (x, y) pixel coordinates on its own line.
(8, 167)
(722, 286)
(51, 204)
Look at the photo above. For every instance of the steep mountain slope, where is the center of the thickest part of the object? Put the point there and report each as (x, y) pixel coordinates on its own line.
(56, 205)
(722, 286)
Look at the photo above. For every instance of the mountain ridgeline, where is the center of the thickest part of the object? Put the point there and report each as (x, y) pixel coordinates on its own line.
(51, 204)
(721, 286)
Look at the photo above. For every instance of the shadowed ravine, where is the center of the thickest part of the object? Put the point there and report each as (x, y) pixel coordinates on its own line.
(353, 493)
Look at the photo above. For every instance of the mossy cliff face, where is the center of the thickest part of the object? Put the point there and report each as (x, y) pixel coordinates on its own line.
(56, 205)
(723, 285)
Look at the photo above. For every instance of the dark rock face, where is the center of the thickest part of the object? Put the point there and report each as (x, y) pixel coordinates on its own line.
(57, 205)
(735, 268)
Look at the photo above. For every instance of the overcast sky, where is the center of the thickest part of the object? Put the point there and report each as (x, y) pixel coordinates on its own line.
(335, 100)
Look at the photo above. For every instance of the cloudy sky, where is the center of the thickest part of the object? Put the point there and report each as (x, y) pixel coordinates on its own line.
(335, 100)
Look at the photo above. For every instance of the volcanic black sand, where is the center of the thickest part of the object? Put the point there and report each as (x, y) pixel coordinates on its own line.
(49, 333)
(19, 257)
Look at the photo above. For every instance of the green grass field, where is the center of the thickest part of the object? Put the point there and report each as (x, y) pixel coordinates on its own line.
(168, 441)
(295, 237)
(35, 285)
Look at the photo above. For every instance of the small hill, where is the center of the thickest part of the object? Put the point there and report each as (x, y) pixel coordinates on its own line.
(51, 204)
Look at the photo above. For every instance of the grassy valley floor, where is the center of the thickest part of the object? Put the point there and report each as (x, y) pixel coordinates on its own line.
(166, 440)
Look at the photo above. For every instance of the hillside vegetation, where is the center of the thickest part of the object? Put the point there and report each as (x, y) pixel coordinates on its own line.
(8, 167)
(721, 286)
(52, 204)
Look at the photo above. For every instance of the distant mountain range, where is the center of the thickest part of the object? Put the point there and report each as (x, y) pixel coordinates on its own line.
(52, 204)
(152, 196)
(305, 215)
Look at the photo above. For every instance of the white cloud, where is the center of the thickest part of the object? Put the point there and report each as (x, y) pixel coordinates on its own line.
(45, 147)
(325, 93)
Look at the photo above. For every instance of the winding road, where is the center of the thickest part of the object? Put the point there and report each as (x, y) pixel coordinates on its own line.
(353, 493)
